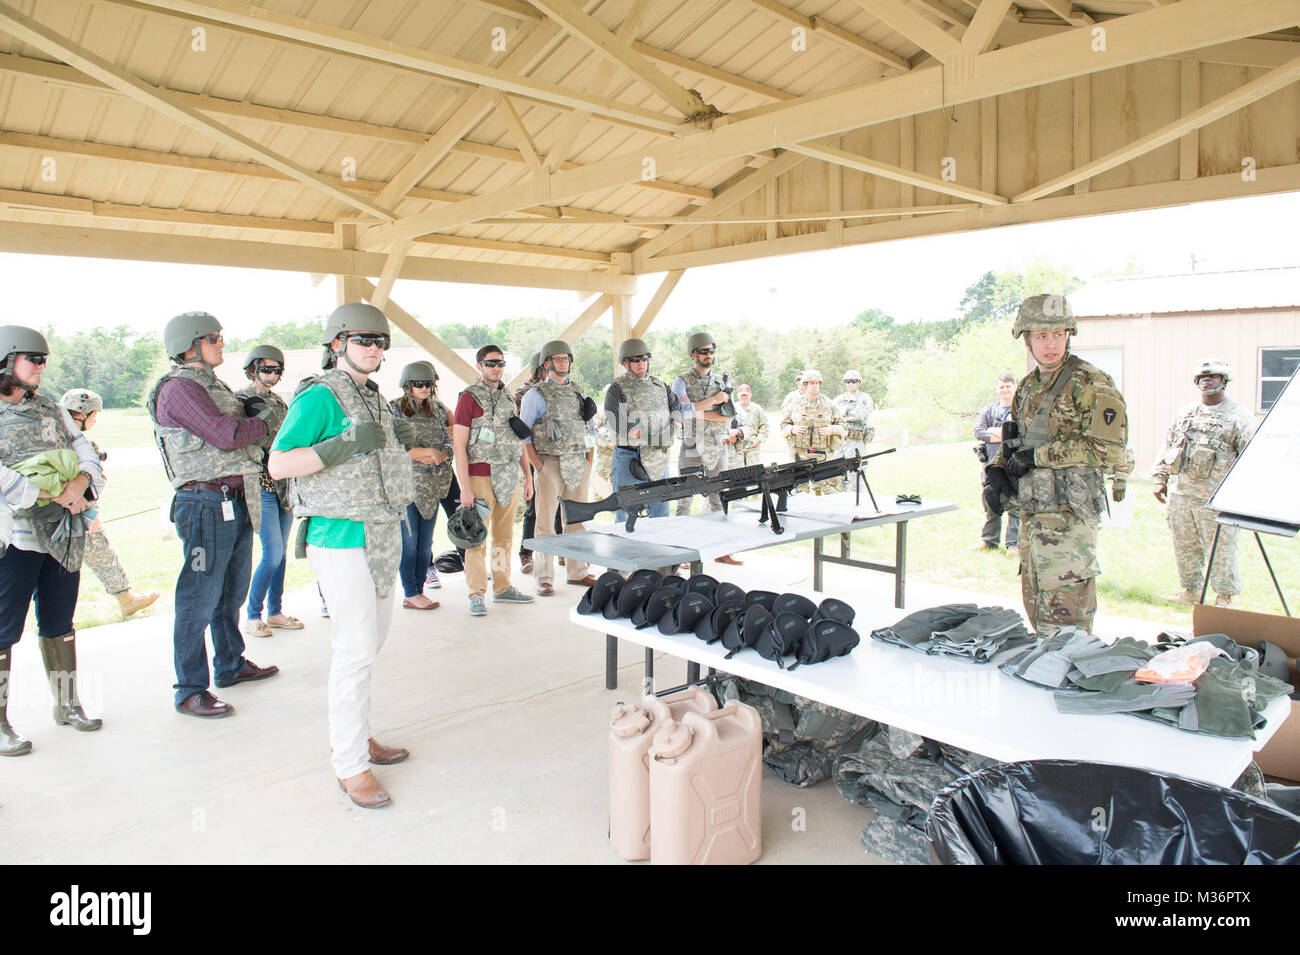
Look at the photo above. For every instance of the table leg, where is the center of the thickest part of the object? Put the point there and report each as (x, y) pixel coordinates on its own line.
(611, 662)
(697, 567)
(648, 682)
(844, 546)
(692, 672)
(900, 562)
(817, 563)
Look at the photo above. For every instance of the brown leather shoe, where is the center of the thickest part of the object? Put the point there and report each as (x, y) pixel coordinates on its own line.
(364, 790)
(382, 755)
(250, 672)
(728, 559)
(526, 565)
(587, 581)
(545, 590)
(204, 705)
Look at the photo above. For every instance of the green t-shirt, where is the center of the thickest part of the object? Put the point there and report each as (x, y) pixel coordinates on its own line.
(314, 416)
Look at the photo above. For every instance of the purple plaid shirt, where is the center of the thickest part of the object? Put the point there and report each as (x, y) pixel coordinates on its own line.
(183, 403)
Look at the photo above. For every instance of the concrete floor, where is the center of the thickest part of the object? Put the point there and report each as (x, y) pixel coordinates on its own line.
(505, 716)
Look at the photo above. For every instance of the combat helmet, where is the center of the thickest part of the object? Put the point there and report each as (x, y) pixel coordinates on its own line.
(465, 528)
(1211, 366)
(267, 352)
(180, 332)
(20, 338)
(852, 375)
(354, 317)
(1041, 313)
(812, 374)
(82, 401)
(556, 346)
(699, 340)
(417, 371)
(632, 346)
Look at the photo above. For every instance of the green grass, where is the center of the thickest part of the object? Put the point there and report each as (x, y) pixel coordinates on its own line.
(1137, 561)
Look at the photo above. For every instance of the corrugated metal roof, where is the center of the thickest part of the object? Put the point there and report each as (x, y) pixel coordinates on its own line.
(1190, 292)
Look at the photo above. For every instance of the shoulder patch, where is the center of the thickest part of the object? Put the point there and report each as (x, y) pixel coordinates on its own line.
(1110, 417)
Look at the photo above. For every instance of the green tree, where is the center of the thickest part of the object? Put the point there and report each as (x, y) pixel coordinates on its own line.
(785, 382)
(747, 368)
(873, 319)
(287, 336)
(117, 363)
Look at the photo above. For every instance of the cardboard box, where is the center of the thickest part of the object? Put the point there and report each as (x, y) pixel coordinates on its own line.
(1281, 756)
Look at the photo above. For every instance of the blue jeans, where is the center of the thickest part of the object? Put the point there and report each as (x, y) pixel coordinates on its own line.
(24, 574)
(217, 561)
(268, 577)
(622, 477)
(417, 550)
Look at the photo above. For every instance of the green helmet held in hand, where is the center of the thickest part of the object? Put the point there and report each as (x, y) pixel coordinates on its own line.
(417, 371)
(262, 353)
(465, 528)
(1041, 313)
(631, 347)
(182, 331)
(699, 340)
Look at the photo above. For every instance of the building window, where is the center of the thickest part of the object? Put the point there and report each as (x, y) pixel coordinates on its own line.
(1276, 365)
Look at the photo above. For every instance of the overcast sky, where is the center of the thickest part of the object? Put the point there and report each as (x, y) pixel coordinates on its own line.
(912, 279)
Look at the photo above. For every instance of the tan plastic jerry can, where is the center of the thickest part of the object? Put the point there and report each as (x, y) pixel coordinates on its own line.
(632, 728)
(705, 786)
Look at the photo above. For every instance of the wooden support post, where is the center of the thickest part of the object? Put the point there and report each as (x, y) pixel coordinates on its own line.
(426, 339)
(622, 309)
(1189, 147)
(907, 159)
(347, 287)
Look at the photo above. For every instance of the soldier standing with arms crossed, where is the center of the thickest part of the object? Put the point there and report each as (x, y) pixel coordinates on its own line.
(352, 482)
(83, 406)
(430, 456)
(706, 420)
(813, 425)
(1205, 439)
(1071, 425)
(488, 438)
(560, 449)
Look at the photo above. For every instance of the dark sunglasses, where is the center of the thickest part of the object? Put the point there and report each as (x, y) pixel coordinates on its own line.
(271, 369)
(34, 357)
(493, 363)
(420, 384)
(213, 338)
(853, 381)
(366, 341)
(638, 357)
(705, 351)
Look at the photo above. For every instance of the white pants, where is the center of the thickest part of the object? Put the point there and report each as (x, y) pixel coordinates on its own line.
(359, 621)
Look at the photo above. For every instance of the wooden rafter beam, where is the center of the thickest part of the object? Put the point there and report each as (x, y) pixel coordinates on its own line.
(426, 339)
(283, 26)
(834, 32)
(818, 216)
(1131, 39)
(903, 19)
(28, 30)
(946, 14)
(523, 248)
(656, 303)
(518, 132)
(712, 72)
(618, 51)
(984, 27)
(577, 328)
(839, 157)
(1213, 111)
(1068, 12)
(388, 277)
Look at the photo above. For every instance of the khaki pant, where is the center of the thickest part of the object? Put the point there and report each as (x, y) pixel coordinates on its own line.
(501, 529)
(548, 488)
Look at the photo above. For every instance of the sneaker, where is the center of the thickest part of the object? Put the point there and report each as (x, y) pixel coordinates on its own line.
(256, 628)
(476, 607)
(526, 564)
(512, 596)
(431, 578)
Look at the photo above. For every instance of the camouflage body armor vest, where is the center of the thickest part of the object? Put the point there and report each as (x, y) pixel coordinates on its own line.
(707, 435)
(561, 430)
(503, 451)
(431, 481)
(27, 428)
(1078, 489)
(373, 488)
(187, 457)
(1203, 450)
(279, 410)
(647, 409)
(815, 413)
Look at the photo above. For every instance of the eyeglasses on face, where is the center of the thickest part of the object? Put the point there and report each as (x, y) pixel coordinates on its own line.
(271, 369)
(638, 357)
(34, 357)
(368, 341)
(420, 384)
(555, 358)
(493, 363)
(214, 338)
(705, 351)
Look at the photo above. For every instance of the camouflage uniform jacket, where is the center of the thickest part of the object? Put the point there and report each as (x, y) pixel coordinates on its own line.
(1202, 445)
(373, 488)
(705, 437)
(505, 448)
(647, 412)
(278, 412)
(431, 481)
(560, 430)
(187, 457)
(1087, 434)
(855, 410)
(815, 413)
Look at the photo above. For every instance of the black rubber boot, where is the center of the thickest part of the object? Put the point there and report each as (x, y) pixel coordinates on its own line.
(11, 744)
(60, 656)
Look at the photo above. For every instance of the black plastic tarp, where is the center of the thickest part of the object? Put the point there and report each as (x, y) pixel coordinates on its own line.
(1066, 812)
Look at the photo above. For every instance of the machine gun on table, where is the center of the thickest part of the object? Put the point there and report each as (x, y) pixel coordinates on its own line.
(774, 483)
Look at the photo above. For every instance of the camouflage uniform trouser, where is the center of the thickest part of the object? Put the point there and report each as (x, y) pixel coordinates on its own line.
(100, 557)
(1193, 524)
(688, 459)
(1058, 570)
(833, 486)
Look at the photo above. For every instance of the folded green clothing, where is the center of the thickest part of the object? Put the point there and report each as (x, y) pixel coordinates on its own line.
(1126, 653)
(50, 470)
(1103, 682)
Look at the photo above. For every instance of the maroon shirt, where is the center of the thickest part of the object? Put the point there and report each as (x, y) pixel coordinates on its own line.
(184, 403)
(467, 409)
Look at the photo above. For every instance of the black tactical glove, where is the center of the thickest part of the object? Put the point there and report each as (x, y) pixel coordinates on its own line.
(255, 406)
(404, 431)
(588, 408)
(992, 498)
(358, 439)
(518, 427)
(1020, 464)
(995, 477)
